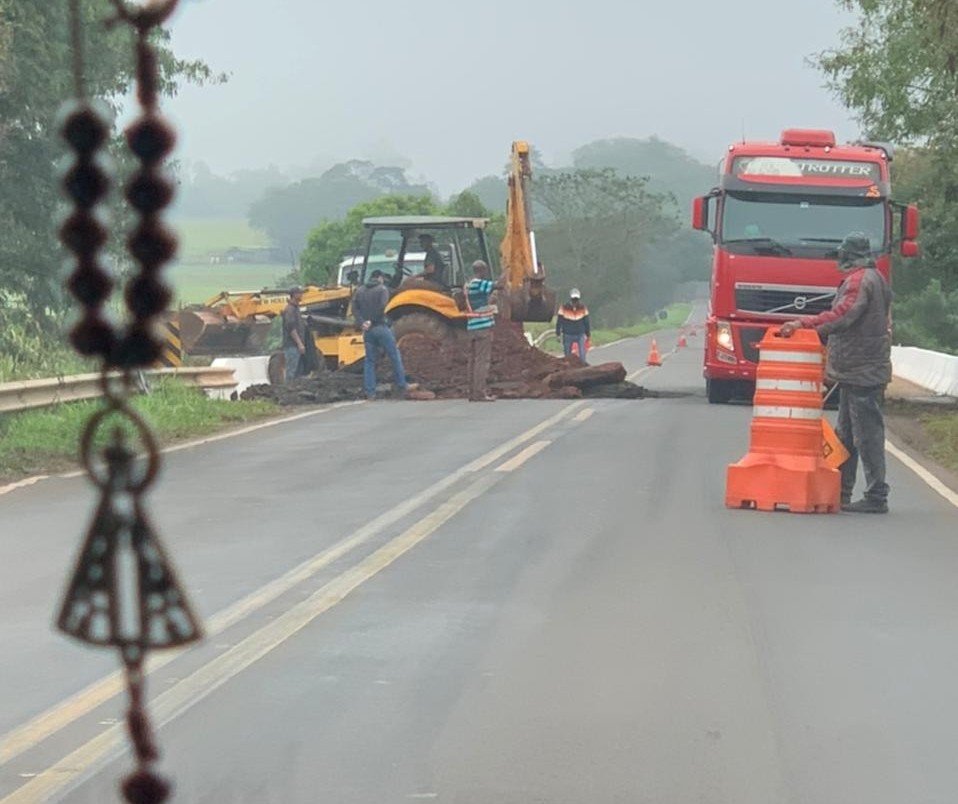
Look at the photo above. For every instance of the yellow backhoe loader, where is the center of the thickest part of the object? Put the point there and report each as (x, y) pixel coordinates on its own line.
(236, 323)
(437, 309)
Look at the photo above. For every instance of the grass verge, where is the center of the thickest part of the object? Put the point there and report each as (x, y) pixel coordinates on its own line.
(44, 441)
(929, 429)
(942, 431)
(676, 315)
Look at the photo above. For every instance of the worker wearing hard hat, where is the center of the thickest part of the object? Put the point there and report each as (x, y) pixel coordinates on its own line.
(572, 325)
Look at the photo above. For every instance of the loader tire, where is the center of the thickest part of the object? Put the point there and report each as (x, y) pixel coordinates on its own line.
(423, 325)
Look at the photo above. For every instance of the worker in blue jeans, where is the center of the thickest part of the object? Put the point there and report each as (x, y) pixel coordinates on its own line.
(294, 334)
(369, 311)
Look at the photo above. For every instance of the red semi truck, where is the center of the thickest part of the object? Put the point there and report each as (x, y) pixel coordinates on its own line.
(776, 219)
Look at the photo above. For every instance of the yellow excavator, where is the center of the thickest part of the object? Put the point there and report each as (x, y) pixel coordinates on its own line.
(238, 323)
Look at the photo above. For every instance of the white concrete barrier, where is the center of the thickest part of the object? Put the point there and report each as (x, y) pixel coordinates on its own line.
(935, 371)
(246, 370)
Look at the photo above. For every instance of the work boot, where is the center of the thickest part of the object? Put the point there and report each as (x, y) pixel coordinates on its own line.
(866, 505)
(846, 498)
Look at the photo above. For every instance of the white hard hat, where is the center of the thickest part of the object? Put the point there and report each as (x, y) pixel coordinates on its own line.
(575, 294)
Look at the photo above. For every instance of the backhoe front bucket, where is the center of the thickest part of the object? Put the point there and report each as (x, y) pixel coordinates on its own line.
(206, 332)
(534, 301)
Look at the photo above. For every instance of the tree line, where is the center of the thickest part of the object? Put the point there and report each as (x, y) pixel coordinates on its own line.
(618, 236)
(36, 78)
(897, 70)
(612, 221)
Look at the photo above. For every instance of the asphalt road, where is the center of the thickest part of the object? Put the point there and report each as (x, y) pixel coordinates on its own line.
(513, 603)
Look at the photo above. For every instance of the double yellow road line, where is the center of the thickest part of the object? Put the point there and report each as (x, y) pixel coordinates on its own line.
(189, 691)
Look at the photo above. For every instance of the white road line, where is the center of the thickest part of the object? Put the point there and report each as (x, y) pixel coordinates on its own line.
(583, 415)
(929, 479)
(22, 484)
(79, 764)
(29, 734)
(29, 481)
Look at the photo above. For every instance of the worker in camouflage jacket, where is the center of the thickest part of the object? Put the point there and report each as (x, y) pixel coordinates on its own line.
(858, 328)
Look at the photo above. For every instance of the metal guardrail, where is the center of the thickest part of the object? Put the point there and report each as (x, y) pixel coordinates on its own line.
(29, 394)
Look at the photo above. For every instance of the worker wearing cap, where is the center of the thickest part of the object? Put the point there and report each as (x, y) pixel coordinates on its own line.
(572, 324)
(294, 334)
(369, 311)
(859, 360)
(433, 268)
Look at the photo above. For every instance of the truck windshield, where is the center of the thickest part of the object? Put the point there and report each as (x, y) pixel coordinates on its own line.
(786, 224)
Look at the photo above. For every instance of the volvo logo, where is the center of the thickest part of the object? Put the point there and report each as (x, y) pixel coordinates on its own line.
(800, 302)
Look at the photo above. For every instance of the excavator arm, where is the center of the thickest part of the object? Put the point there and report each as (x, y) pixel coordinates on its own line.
(525, 297)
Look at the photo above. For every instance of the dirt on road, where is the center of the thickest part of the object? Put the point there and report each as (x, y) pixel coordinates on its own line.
(438, 369)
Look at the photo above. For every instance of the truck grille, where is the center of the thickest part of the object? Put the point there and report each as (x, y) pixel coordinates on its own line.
(750, 337)
(787, 301)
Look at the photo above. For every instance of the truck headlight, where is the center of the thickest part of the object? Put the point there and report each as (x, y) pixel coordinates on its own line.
(723, 336)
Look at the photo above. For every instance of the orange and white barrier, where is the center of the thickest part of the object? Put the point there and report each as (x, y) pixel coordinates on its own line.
(785, 467)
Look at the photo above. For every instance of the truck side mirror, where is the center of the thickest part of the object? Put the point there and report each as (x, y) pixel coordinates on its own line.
(909, 223)
(909, 248)
(700, 213)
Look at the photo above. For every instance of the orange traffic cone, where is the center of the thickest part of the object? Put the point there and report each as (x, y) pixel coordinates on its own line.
(654, 359)
(682, 342)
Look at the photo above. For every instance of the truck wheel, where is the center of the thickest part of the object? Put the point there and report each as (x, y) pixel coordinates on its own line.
(719, 392)
(422, 325)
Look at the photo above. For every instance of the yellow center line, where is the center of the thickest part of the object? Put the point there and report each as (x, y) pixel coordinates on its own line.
(514, 463)
(30, 734)
(194, 688)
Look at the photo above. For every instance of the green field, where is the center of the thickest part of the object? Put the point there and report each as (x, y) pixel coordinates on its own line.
(195, 279)
(194, 283)
(201, 237)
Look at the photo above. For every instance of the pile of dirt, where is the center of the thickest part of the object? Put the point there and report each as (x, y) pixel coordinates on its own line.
(330, 386)
(517, 371)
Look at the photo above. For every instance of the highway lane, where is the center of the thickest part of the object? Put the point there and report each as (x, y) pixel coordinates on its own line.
(589, 625)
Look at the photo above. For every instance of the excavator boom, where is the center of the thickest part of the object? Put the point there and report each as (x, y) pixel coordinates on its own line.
(526, 295)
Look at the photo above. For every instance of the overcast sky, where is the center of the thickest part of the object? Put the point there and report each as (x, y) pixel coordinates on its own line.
(449, 84)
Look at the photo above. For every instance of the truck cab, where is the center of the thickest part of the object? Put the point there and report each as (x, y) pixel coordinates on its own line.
(776, 219)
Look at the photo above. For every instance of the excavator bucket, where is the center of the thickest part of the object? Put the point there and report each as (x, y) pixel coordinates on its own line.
(208, 332)
(533, 301)
(526, 296)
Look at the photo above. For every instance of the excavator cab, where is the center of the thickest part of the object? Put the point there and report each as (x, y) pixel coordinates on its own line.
(426, 260)
(406, 248)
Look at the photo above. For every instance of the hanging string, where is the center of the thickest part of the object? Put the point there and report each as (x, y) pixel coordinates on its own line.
(123, 592)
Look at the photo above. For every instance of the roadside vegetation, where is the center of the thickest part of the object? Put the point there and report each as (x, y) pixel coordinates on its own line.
(942, 430)
(896, 69)
(45, 440)
(675, 316)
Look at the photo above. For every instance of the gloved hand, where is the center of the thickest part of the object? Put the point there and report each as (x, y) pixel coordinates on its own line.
(788, 328)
